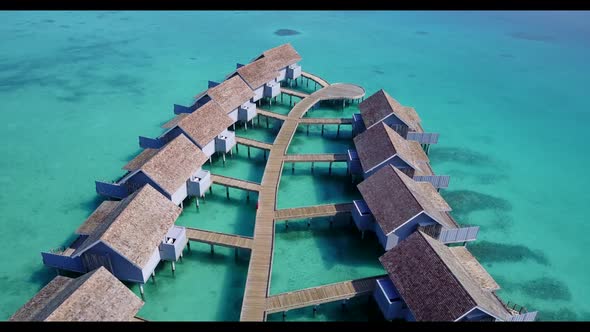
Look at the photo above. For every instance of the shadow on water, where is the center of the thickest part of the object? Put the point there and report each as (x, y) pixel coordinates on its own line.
(493, 252)
(465, 202)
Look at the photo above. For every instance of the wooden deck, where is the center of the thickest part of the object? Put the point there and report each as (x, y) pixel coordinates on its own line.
(315, 157)
(318, 295)
(271, 114)
(253, 143)
(220, 239)
(313, 77)
(327, 121)
(325, 210)
(294, 93)
(235, 183)
(260, 266)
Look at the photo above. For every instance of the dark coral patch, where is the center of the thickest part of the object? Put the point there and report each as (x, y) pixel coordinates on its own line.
(286, 32)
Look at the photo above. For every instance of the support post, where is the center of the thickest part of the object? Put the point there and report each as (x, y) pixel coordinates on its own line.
(237, 149)
(362, 235)
(267, 122)
(312, 166)
(286, 223)
(141, 290)
(154, 276)
(224, 159)
(308, 222)
(173, 268)
(212, 249)
(330, 169)
(248, 151)
(188, 245)
(292, 168)
(307, 130)
(211, 189)
(338, 132)
(248, 196)
(236, 254)
(245, 125)
(227, 192)
(264, 153)
(322, 130)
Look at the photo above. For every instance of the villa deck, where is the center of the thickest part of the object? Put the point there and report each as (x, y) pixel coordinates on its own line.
(318, 295)
(315, 157)
(325, 210)
(235, 183)
(260, 266)
(253, 143)
(220, 239)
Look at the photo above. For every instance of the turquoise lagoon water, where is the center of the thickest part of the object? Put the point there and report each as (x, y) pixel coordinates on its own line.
(507, 91)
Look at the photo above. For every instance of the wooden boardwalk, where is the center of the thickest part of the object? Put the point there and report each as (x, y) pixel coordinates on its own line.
(260, 265)
(325, 210)
(318, 295)
(235, 183)
(253, 143)
(220, 239)
(294, 93)
(315, 157)
(313, 77)
(327, 121)
(271, 114)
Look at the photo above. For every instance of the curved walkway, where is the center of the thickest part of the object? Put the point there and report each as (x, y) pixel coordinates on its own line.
(260, 266)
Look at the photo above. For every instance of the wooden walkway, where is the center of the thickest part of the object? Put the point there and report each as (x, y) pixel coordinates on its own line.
(220, 239)
(313, 77)
(253, 143)
(315, 157)
(325, 210)
(294, 93)
(235, 183)
(327, 121)
(260, 265)
(270, 114)
(318, 295)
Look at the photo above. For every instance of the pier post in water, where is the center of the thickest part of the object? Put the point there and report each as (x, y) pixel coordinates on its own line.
(188, 245)
(212, 249)
(154, 276)
(227, 192)
(173, 268)
(141, 290)
(248, 151)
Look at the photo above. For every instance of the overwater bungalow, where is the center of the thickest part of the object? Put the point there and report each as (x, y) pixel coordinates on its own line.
(380, 146)
(381, 107)
(174, 169)
(129, 238)
(394, 206)
(94, 296)
(261, 77)
(429, 281)
(284, 59)
(234, 97)
(206, 128)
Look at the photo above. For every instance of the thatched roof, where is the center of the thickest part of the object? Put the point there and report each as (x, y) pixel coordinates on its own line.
(204, 124)
(231, 93)
(433, 282)
(381, 104)
(174, 121)
(171, 165)
(380, 142)
(282, 56)
(258, 73)
(97, 217)
(136, 226)
(95, 296)
(394, 198)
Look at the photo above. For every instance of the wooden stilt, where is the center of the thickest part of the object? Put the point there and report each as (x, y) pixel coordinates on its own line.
(211, 189)
(212, 249)
(312, 166)
(154, 276)
(237, 149)
(223, 159)
(236, 253)
(330, 169)
(248, 151)
(188, 246)
(227, 192)
(245, 125)
(290, 100)
(141, 290)
(267, 122)
(307, 130)
(308, 222)
(247, 196)
(286, 223)
(322, 130)
(234, 126)
(210, 160)
(197, 203)
(292, 168)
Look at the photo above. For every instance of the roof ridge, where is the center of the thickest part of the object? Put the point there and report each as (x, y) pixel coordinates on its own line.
(424, 235)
